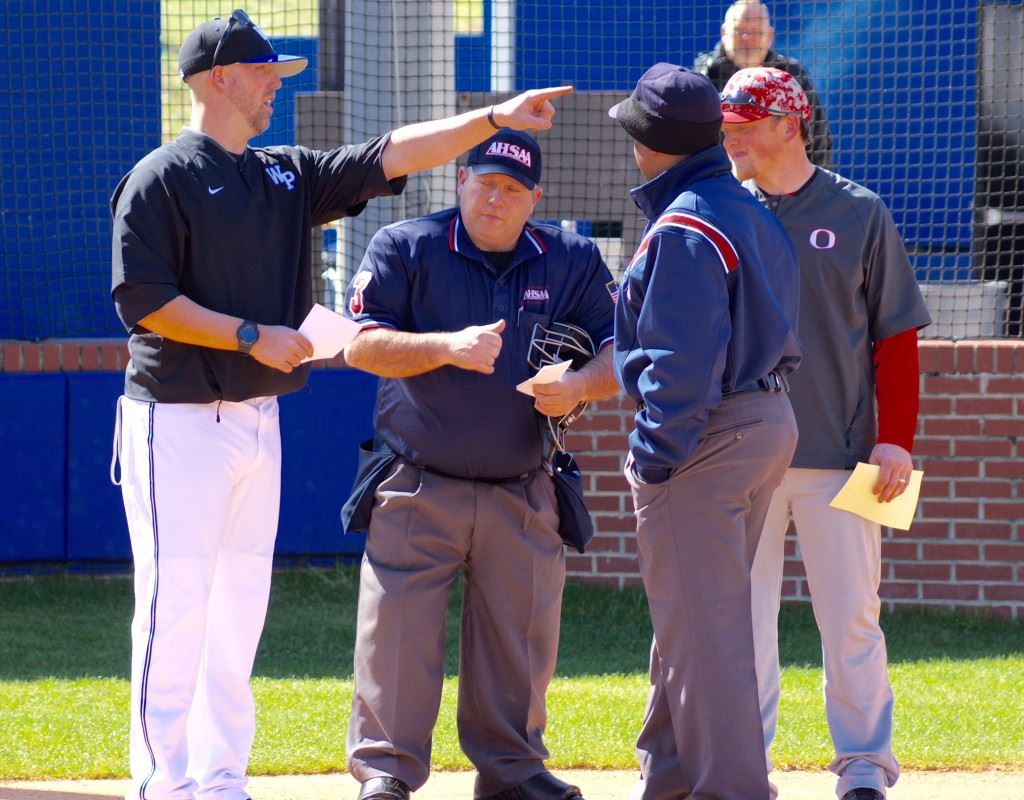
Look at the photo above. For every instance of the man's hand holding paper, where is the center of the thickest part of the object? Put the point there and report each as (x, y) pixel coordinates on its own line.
(858, 497)
(546, 374)
(327, 331)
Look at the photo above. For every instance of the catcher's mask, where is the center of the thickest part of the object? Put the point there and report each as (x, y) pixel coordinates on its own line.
(559, 342)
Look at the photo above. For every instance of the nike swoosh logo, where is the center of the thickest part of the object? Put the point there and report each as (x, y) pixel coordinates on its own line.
(211, 190)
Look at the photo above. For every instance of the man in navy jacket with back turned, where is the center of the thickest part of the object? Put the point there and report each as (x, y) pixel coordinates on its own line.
(705, 334)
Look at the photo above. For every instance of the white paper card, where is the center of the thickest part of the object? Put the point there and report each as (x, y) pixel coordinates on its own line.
(327, 331)
(546, 374)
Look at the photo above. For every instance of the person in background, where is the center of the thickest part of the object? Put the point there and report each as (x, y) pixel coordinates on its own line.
(747, 37)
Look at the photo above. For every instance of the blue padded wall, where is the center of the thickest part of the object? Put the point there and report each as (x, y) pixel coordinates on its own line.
(321, 428)
(59, 504)
(96, 529)
(32, 444)
(81, 105)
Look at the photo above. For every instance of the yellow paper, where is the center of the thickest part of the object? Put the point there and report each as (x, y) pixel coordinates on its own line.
(856, 496)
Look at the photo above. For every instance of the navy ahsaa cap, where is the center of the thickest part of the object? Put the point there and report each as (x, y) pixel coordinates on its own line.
(508, 152)
(672, 110)
(236, 40)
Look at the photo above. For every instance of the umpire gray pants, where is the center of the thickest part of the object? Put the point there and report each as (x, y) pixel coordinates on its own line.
(697, 534)
(424, 529)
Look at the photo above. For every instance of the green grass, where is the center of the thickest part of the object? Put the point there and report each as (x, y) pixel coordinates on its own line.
(65, 655)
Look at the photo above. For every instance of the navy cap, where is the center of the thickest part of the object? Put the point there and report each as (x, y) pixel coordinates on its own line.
(508, 152)
(235, 40)
(672, 110)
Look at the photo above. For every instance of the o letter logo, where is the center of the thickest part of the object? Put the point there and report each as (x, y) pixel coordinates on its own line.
(822, 239)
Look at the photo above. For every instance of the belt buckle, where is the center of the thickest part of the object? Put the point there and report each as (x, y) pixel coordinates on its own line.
(773, 383)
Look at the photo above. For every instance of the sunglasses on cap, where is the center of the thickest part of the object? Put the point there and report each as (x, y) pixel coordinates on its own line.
(744, 99)
(238, 17)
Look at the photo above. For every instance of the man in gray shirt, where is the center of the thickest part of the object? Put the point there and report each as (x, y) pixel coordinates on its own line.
(860, 309)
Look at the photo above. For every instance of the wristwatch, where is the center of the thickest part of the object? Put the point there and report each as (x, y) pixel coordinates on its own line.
(248, 334)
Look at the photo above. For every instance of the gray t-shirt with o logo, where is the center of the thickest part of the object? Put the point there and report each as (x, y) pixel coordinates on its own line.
(856, 288)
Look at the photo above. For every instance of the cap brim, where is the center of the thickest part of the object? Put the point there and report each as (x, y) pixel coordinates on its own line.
(498, 169)
(613, 112)
(284, 66)
(740, 114)
(629, 115)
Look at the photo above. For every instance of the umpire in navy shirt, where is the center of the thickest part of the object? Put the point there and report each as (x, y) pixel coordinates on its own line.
(448, 305)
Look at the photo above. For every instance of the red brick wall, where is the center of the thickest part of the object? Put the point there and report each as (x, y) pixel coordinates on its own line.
(63, 355)
(965, 549)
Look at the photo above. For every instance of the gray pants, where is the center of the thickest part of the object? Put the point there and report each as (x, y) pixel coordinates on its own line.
(697, 534)
(842, 555)
(424, 529)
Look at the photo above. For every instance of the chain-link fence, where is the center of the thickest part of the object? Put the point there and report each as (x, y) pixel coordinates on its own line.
(924, 101)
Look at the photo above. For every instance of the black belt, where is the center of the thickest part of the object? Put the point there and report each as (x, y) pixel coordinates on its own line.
(772, 382)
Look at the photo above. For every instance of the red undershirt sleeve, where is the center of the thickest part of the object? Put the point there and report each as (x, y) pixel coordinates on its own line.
(897, 388)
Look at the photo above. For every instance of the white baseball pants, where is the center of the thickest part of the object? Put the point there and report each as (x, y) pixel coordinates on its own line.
(201, 487)
(842, 555)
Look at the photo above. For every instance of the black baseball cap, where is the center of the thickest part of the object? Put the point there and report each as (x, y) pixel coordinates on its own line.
(235, 40)
(672, 110)
(508, 152)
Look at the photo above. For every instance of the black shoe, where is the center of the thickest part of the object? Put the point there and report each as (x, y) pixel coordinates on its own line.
(543, 786)
(863, 794)
(384, 788)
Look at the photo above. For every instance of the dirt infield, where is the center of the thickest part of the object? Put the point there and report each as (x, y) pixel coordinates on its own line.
(612, 785)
